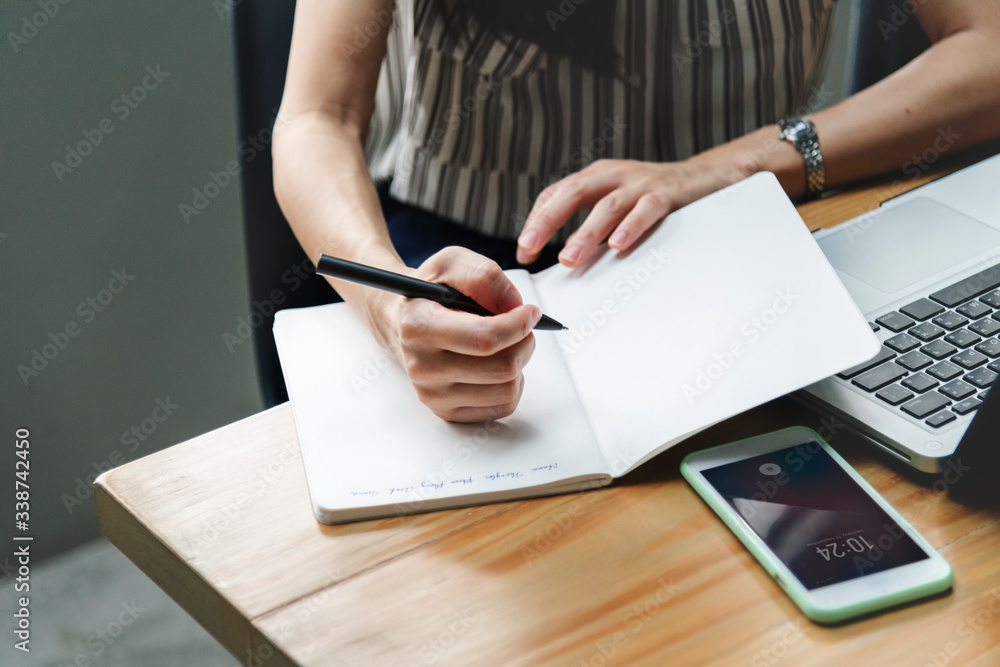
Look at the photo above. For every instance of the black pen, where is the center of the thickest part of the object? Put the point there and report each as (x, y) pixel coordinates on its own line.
(413, 288)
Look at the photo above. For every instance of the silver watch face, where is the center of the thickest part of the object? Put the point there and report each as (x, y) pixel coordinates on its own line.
(799, 131)
(802, 134)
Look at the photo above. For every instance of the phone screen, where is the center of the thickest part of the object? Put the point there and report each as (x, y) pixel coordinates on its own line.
(814, 517)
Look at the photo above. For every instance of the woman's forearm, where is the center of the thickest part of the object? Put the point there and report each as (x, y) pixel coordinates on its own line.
(326, 193)
(946, 99)
(321, 179)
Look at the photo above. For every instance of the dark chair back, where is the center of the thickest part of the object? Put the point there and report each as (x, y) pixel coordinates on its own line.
(280, 275)
(885, 37)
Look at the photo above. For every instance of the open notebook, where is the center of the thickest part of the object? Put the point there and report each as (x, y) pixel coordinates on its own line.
(727, 304)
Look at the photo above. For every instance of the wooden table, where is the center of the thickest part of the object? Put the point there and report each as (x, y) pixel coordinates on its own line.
(638, 573)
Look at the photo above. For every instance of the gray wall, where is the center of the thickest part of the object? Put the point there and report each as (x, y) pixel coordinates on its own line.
(62, 237)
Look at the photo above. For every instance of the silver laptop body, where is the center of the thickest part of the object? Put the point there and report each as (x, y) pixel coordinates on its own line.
(942, 239)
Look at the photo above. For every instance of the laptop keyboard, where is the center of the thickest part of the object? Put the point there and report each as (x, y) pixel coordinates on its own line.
(942, 354)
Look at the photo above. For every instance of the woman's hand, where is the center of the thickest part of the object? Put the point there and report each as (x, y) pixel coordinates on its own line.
(625, 198)
(464, 367)
(954, 86)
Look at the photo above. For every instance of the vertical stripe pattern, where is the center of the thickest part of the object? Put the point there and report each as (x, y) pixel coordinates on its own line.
(474, 128)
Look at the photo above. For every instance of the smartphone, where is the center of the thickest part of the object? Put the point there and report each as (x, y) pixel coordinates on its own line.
(836, 547)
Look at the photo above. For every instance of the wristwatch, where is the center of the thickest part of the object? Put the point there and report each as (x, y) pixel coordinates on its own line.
(801, 133)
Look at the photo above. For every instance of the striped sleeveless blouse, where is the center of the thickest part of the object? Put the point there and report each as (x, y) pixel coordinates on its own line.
(473, 129)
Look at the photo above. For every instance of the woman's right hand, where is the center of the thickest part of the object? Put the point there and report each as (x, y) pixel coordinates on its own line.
(464, 367)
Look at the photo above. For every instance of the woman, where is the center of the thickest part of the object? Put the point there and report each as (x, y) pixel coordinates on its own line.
(528, 129)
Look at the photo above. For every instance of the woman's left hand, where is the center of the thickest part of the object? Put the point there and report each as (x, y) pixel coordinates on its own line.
(625, 198)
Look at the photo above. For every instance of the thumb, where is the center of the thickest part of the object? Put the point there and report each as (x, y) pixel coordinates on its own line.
(478, 277)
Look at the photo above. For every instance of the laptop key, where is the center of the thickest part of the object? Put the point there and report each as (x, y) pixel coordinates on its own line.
(914, 361)
(974, 310)
(941, 418)
(939, 349)
(874, 326)
(985, 328)
(966, 406)
(883, 355)
(957, 389)
(926, 331)
(981, 377)
(894, 394)
(991, 299)
(921, 309)
(920, 382)
(895, 321)
(968, 288)
(990, 348)
(879, 377)
(963, 338)
(969, 359)
(944, 370)
(905, 342)
(924, 405)
(950, 320)
(995, 366)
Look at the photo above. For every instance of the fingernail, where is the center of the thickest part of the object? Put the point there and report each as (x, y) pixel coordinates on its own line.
(528, 239)
(570, 254)
(536, 315)
(618, 239)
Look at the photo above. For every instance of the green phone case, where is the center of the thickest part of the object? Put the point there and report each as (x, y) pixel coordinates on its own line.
(780, 572)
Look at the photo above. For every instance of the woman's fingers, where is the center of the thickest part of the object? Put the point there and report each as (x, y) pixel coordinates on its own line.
(431, 360)
(475, 276)
(625, 199)
(648, 210)
(603, 219)
(466, 367)
(556, 205)
(474, 414)
(480, 398)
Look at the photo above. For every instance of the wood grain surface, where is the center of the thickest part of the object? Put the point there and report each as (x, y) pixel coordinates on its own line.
(848, 203)
(639, 573)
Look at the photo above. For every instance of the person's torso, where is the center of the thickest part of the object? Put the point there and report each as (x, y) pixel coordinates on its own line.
(474, 129)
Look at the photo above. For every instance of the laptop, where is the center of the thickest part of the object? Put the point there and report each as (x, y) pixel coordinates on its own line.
(924, 268)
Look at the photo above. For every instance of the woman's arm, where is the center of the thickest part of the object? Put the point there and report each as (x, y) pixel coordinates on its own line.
(950, 94)
(464, 367)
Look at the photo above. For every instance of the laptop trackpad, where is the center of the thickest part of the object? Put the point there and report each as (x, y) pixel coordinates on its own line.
(904, 244)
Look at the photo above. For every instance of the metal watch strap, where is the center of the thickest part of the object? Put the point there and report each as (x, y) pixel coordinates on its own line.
(801, 133)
